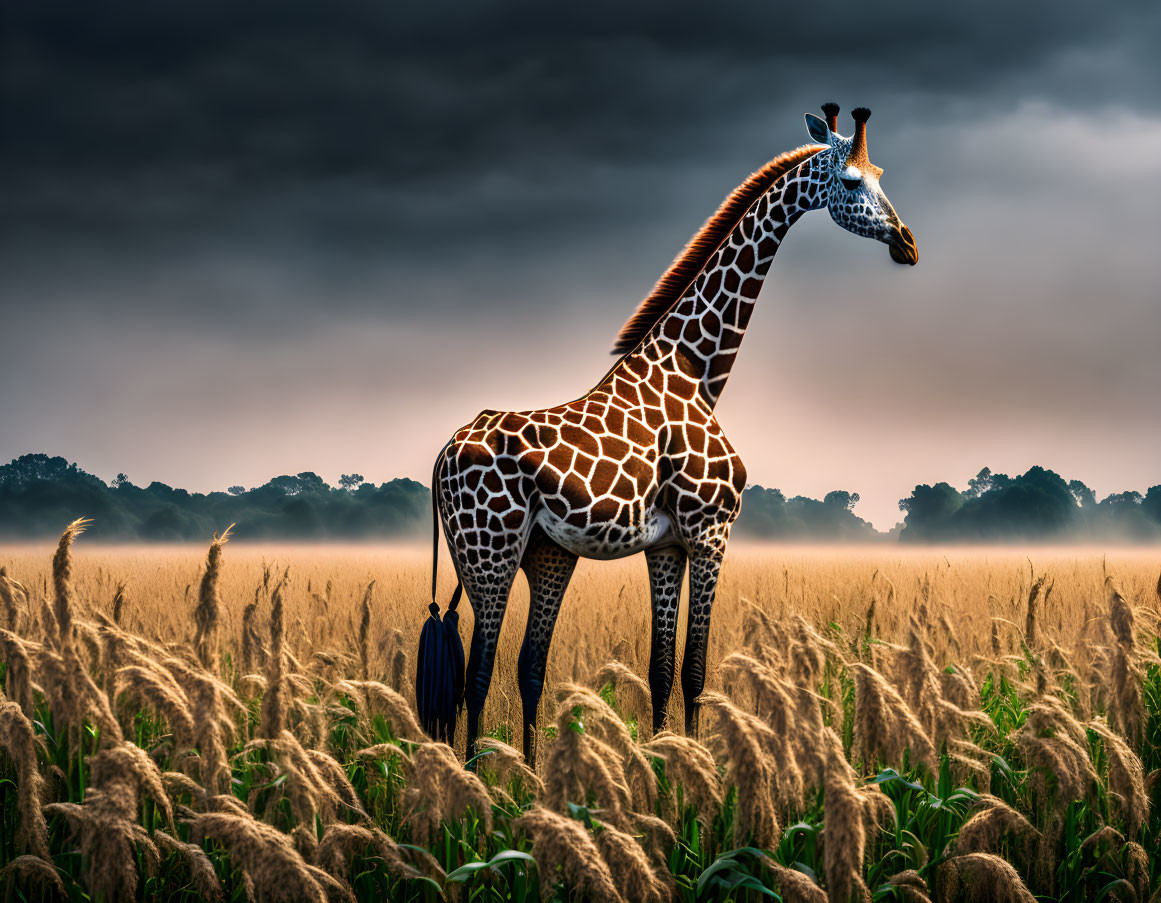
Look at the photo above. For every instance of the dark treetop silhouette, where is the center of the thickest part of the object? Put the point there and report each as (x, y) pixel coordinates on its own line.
(39, 494)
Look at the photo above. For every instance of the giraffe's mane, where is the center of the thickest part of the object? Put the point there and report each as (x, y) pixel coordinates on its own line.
(693, 257)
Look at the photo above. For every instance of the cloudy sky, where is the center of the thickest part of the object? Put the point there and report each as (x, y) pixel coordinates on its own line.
(238, 240)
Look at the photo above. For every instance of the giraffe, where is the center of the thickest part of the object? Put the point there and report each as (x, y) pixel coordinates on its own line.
(639, 463)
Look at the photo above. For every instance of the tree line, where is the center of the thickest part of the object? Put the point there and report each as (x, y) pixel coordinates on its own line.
(38, 494)
(1038, 505)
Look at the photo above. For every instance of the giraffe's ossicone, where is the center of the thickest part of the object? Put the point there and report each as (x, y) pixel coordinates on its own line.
(639, 463)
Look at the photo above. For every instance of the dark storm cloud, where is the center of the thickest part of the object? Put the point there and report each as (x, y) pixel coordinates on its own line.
(129, 126)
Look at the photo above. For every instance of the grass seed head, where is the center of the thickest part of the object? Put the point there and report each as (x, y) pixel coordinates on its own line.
(885, 726)
(995, 827)
(1120, 616)
(793, 885)
(690, 765)
(440, 789)
(197, 865)
(18, 671)
(273, 712)
(980, 878)
(638, 879)
(506, 763)
(341, 844)
(62, 577)
(601, 722)
(18, 739)
(909, 887)
(562, 846)
(741, 737)
(28, 870)
(268, 856)
(208, 613)
(632, 692)
(1032, 617)
(844, 833)
(157, 688)
(8, 599)
(365, 631)
(1126, 778)
(376, 698)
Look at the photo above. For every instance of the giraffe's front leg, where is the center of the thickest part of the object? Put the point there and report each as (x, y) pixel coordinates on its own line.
(666, 572)
(703, 583)
(549, 569)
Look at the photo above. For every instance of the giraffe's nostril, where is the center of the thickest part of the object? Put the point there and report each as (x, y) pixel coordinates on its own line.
(903, 248)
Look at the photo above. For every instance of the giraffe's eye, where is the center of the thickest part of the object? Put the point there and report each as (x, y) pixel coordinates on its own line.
(850, 184)
(851, 177)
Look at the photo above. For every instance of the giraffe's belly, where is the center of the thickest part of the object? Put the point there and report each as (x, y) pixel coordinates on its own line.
(608, 541)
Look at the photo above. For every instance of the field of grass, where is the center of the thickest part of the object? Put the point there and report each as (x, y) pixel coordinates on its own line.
(878, 724)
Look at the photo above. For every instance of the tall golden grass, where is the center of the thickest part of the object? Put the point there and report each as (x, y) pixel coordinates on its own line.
(184, 721)
(605, 615)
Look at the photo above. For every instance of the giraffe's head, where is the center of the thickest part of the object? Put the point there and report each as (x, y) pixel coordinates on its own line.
(850, 184)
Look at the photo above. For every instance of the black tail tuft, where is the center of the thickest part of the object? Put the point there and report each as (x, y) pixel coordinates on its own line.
(439, 671)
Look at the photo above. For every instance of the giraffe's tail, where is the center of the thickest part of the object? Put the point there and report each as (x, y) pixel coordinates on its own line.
(439, 663)
(435, 529)
(434, 526)
(435, 520)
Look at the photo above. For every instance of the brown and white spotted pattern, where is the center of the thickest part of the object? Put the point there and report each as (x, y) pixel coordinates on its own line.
(638, 464)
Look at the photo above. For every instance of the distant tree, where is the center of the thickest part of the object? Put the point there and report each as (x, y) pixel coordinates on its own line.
(29, 469)
(1084, 496)
(980, 484)
(929, 511)
(307, 481)
(767, 513)
(1128, 515)
(841, 499)
(237, 490)
(120, 480)
(1117, 499)
(285, 485)
(349, 481)
(1151, 504)
(311, 482)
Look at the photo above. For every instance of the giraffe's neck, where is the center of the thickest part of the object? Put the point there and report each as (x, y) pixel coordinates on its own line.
(700, 335)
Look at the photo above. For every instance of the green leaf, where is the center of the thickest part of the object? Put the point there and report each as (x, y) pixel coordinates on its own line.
(511, 856)
(477, 756)
(424, 880)
(277, 782)
(1115, 884)
(726, 871)
(465, 871)
(753, 883)
(582, 814)
(889, 775)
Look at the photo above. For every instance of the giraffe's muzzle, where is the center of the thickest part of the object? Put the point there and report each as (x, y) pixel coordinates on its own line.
(903, 248)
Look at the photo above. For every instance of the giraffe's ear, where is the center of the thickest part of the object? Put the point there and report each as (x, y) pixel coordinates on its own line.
(817, 129)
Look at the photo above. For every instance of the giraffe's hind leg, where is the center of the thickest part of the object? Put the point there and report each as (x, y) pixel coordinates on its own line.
(666, 572)
(487, 582)
(549, 568)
